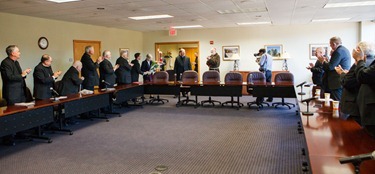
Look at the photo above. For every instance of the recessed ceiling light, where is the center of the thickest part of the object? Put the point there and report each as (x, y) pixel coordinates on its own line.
(349, 4)
(248, 10)
(187, 26)
(151, 17)
(328, 20)
(62, 1)
(253, 23)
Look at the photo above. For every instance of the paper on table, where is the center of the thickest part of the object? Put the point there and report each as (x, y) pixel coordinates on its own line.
(25, 104)
(85, 91)
(60, 97)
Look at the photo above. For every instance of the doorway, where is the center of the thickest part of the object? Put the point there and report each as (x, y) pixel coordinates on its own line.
(173, 47)
(79, 48)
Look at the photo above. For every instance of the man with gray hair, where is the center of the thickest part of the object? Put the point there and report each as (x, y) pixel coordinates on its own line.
(340, 56)
(71, 82)
(14, 86)
(213, 61)
(317, 69)
(107, 71)
(181, 64)
(89, 69)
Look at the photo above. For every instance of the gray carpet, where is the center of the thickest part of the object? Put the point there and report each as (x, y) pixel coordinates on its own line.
(186, 140)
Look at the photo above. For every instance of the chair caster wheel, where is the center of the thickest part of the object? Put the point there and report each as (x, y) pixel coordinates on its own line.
(107, 120)
(70, 133)
(49, 141)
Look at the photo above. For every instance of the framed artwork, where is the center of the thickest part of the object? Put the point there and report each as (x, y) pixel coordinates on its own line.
(231, 52)
(313, 47)
(124, 49)
(274, 50)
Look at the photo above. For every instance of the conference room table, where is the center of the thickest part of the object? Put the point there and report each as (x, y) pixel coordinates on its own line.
(329, 137)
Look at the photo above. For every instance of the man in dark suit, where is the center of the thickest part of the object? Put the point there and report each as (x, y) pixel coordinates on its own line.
(366, 94)
(107, 71)
(89, 69)
(181, 64)
(123, 72)
(44, 78)
(14, 86)
(340, 56)
(146, 67)
(70, 83)
(136, 69)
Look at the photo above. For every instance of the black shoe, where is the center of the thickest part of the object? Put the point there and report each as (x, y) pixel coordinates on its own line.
(269, 100)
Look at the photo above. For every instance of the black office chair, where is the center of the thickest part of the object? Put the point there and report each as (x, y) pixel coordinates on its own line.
(233, 78)
(188, 77)
(254, 77)
(211, 77)
(160, 77)
(284, 77)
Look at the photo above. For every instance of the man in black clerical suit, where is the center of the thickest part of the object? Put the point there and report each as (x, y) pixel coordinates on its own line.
(181, 64)
(136, 69)
(44, 78)
(107, 71)
(70, 83)
(89, 69)
(317, 68)
(14, 86)
(366, 94)
(146, 67)
(123, 73)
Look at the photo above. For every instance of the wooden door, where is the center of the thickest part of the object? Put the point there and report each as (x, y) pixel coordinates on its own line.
(79, 48)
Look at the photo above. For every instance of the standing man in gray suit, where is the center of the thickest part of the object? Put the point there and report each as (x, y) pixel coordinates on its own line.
(340, 56)
(181, 64)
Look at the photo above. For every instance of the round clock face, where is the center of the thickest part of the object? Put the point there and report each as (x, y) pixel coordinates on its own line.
(43, 43)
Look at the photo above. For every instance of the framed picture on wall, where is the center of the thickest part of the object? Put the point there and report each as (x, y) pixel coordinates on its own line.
(313, 47)
(274, 50)
(124, 49)
(231, 52)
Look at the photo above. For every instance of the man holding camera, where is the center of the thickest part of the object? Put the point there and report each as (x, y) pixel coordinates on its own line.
(265, 66)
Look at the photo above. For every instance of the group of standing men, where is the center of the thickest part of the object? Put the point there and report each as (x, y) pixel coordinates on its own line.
(353, 86)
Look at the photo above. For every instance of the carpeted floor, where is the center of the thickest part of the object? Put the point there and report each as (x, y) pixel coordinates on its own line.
(186, 140)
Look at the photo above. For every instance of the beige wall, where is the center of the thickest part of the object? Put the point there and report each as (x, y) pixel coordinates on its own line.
(295, 40)
(25, 31)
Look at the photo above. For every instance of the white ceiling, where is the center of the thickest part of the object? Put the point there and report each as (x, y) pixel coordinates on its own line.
(185, 12)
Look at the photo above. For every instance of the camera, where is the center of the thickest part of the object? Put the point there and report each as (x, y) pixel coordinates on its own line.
(256, 54)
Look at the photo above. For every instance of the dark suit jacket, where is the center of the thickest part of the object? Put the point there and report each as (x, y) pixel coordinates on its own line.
(340, 56)
(348, 103)
(43, 81)
(70, 82)
(136, 70)
(89, 72)
(317, 73)
(181, 65)
(14, 85)
(366, 95)
(123, 72)
(107, 74)
(146, 67)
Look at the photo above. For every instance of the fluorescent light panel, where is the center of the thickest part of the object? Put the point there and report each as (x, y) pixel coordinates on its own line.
(62, 1)
(249, 10)
(328, 20)
(151, 17)
(253, 23)
(349, 4)
(187, 26)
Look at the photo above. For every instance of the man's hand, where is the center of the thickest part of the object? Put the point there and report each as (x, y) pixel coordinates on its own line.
(208, 57)
(116, 67)
(358, 55)
(100, 59)
(82, 78)
(57, 74)
(27, 71)
(339, 70)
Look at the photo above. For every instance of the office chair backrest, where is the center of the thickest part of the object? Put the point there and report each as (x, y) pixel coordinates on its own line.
(160, 77)
(284, 77)
(171, 75)
(233, 77)
(256, 77)
(211, 76)
(189, 76)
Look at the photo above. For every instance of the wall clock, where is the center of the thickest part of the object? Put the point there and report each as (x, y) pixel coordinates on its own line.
(43, 43)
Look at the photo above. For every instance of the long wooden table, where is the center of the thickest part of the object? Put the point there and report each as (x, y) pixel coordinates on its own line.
(328, 138)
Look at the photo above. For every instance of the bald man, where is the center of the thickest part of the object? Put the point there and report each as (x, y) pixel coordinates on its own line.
(107, 71)
(317, 69)
(181, 64)
(70, 83)
(44, 78)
